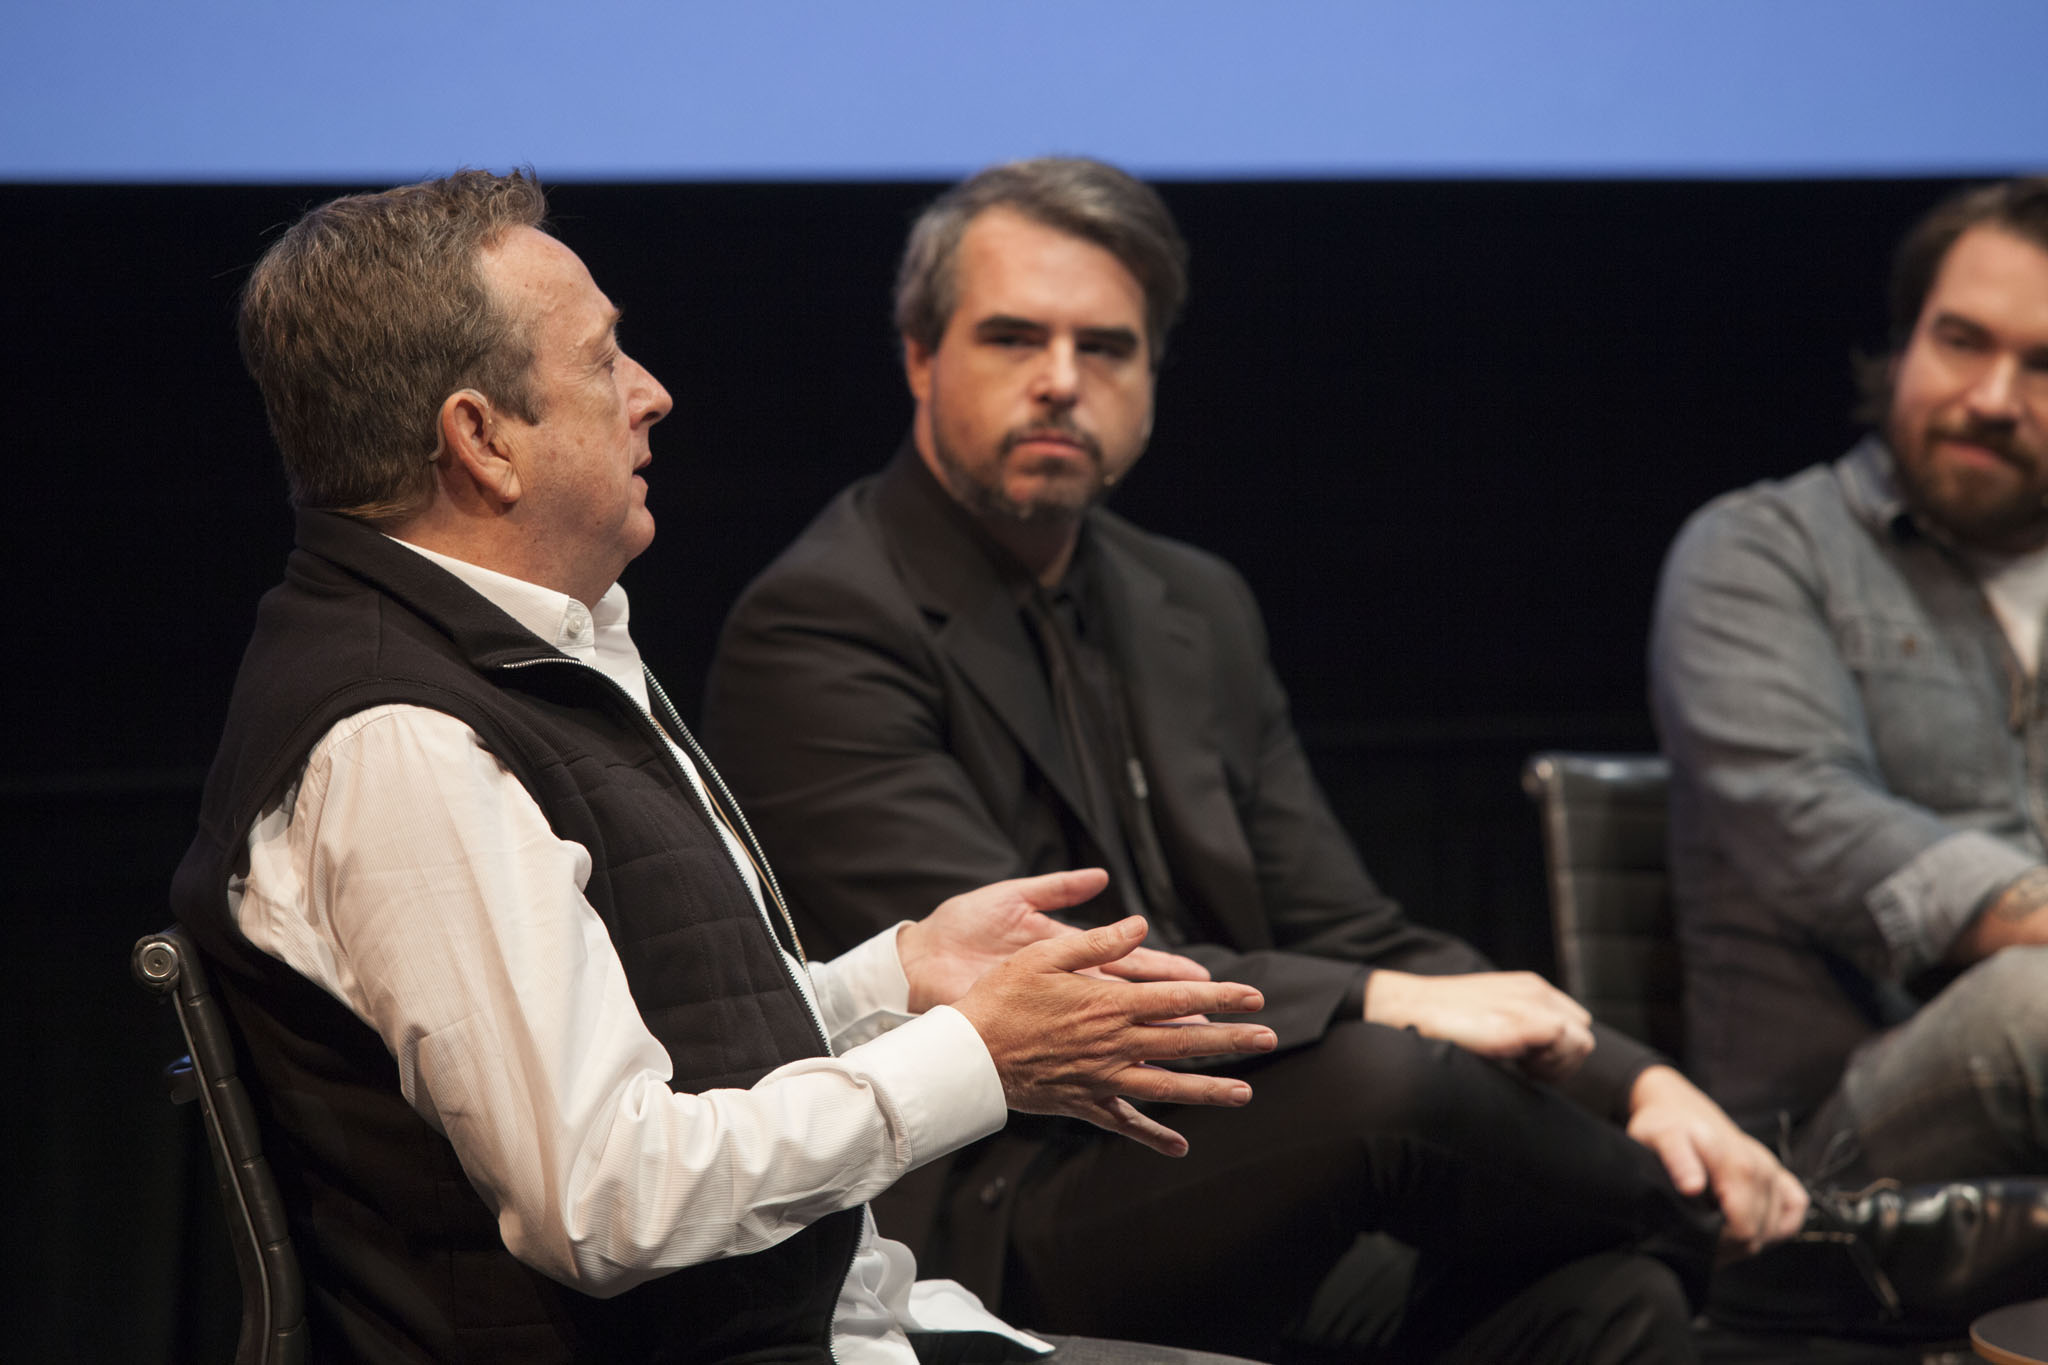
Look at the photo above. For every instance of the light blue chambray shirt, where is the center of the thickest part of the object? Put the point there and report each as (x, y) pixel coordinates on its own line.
(1858, 767)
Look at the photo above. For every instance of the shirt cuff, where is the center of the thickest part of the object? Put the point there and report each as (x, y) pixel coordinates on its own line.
(1923, 906)
(863, 992)
(1352, 1005)
(937, 1082)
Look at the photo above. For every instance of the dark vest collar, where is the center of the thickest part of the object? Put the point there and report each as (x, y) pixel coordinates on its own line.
(477, 628)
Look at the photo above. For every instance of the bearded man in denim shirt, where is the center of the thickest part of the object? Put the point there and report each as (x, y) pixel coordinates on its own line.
(1847, 675)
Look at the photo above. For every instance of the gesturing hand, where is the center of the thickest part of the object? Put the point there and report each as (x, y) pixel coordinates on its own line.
(1064, 1043)
(1761, 1202)
(1515, 1016)
(953, 947)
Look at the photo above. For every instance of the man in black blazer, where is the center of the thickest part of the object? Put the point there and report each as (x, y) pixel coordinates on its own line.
(965, 669)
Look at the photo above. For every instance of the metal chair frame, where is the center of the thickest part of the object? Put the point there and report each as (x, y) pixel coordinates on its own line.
(273, 1291)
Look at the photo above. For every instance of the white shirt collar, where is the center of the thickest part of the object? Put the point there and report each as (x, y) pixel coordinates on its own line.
(595, 636)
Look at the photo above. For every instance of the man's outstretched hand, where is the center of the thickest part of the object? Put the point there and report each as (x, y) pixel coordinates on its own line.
(1066, 1043)
(953, 947)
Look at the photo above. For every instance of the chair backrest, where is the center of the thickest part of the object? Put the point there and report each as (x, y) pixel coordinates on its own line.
(273, 1293)
(1603, 818)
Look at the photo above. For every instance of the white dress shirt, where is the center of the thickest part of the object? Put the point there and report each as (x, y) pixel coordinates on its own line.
(408, 873)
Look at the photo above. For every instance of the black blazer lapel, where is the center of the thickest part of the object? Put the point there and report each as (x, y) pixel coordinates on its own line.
(1166, 652)
(975, 618)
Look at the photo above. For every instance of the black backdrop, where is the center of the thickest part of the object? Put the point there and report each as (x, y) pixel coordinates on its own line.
(1445, 428)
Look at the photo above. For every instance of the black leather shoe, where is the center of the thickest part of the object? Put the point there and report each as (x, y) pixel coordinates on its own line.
(1895, 1260)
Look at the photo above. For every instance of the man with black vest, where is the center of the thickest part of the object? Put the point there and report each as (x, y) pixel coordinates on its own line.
(542, 1069)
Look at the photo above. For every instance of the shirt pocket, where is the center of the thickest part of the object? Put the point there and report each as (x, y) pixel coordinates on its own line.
(1939, 732)
(1898, 647)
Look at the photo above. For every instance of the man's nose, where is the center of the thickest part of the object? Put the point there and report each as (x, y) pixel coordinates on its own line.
(1058, 380)
(649, 400)
(1994, 394)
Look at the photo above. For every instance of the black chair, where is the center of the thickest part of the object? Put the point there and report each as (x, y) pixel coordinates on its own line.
(1603, 820)
(273, 1293)
(1610, 905)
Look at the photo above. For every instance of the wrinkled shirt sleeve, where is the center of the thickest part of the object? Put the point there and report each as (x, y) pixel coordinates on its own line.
(409, 874)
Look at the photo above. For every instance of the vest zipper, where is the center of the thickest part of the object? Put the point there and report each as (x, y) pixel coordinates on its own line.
(709, 771)
(746, 831)
(710, 774)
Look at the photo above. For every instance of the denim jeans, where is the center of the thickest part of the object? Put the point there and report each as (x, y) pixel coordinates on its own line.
(1960, 1089)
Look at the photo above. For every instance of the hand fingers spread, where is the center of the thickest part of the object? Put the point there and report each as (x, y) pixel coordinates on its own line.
(1119, 1117)
(1091, 948)
(1154, 1001)
(1058, 890)
(1103, 974)
(1149, 964)
(1182, 1087)
(1179, 1042)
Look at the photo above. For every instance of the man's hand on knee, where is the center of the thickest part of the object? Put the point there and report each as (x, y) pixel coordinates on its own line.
(1515, 1016)
(1065, 1043)
(1761, 1202)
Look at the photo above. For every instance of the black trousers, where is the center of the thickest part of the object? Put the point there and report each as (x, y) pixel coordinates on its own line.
(986, 1348)
(1515, 1200)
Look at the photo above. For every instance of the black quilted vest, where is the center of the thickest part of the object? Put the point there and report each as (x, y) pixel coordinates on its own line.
(402, 1259)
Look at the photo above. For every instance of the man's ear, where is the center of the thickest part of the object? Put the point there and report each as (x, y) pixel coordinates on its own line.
(473, 449)
(917, 368)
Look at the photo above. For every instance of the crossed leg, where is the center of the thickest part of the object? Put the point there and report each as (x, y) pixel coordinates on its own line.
(1497, 1182)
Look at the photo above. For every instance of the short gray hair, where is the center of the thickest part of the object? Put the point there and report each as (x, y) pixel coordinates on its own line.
(1087, 199)
(365, 315)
